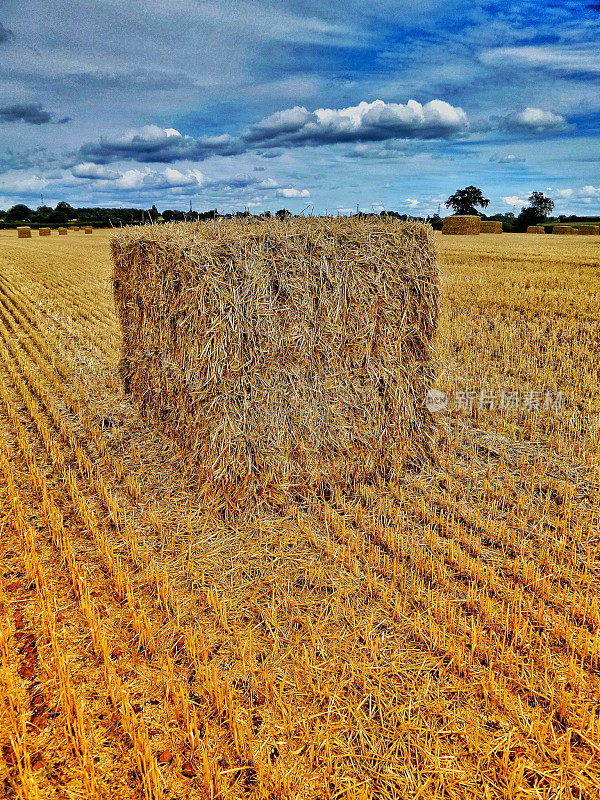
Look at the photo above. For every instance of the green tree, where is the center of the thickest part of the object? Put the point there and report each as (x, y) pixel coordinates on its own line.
(538, 210)
(19, 213)
(283, 213)
(463, 201)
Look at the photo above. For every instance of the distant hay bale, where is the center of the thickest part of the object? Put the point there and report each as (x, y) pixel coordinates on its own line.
(88, 229)
(566, 230)
(62, 231)
(44, 231)
(282, 355)
(589, 230)
(491, 226)
(74, 227)
(24, 232)
(462, 225)
(535, 229)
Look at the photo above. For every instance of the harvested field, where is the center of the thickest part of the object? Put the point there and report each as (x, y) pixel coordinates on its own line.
(491, 226)
(462, 225)
(429, 637)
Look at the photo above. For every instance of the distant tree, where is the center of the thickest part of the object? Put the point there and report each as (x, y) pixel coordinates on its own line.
(18, 213)
(65, 208)
(58, 216)
(538, 210)
(463, 201)
(283, 213)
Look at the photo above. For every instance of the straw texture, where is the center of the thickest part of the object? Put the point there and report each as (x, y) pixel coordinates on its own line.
(285, 354)
(62, 231)
(535, 229)
(44, 231)
(589, 230)
(491, 226)
(565, 230)
(462, 225)
(24, 232)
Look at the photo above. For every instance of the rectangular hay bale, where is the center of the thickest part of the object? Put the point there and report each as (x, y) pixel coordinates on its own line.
(589, 230)
(565, 230)
(74, 227)
(62, 231)
(88, 229)
(462, 225)
(44, 232)
(491, 226)
(282, 355)
(23, 232)
(535, 229)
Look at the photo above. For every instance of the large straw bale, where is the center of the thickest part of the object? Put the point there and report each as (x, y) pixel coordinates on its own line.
(462, 225)
(62, 231)
(44, 231)
(23, 232)
(491, 226)
(88, 229)
(535, 229)
(589, 230)
(74, 227)
(285, 354)
(565, 230)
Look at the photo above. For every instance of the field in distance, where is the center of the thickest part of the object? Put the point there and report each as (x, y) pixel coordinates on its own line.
(436, 638)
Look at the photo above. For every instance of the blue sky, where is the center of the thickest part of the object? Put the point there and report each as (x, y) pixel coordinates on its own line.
(234, 103)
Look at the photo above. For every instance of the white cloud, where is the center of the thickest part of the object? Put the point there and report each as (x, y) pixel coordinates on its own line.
(412, 203)
(590, 191)
(94, 171)
(376, 121)
(512, 201)
(509, 158)
(564, 192)
(535, 120)
(551, 57)
(293, 193)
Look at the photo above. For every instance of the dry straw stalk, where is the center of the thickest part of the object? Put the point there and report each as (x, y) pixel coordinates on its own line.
(565, 230)
(45, 231)
(535, 229)
(491, 226)
(462, 225)
(24, 232)
(282, 355)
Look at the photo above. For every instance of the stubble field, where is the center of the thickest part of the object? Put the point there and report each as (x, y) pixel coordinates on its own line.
(436, 638)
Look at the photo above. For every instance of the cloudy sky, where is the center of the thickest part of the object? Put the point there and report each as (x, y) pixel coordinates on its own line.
(389, 104)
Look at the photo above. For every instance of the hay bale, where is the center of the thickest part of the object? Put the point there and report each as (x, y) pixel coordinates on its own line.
(88, 229)
(281, 355)
(74, 227)
(535, 229)
(566, 230)
(44, 231)
(491, 226)
(62, 231)
(24, 232)
(589, 230)
(462, 225)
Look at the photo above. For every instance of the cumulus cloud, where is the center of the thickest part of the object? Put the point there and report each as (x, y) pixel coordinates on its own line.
(535, 120)
(289, 193)
(509, 158)
(513, 200)
(5, 34)
(411, 202)
(590, 191)
(154, 144)
(292, 127)
(374, 121)
(94, 171)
